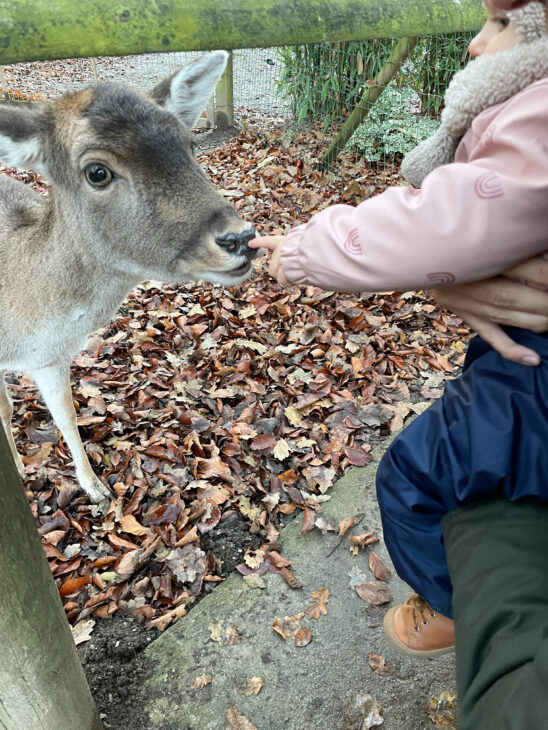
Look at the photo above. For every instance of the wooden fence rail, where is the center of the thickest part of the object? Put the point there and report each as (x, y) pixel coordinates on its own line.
(44, 29)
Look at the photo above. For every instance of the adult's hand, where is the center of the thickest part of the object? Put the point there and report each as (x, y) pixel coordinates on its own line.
(519, 298)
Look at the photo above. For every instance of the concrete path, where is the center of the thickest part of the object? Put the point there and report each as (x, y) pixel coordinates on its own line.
(308, 688)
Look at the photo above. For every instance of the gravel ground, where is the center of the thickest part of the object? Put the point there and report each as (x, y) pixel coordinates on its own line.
(255, 75)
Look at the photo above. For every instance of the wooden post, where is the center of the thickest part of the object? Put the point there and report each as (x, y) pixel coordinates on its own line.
(224, 98)
(42, 684)
(383, 78)
(94, 71)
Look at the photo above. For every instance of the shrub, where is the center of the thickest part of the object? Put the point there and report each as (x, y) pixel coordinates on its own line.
(393, 127)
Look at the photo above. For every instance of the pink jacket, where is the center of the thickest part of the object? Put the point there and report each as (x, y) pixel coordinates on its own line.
(471, 219)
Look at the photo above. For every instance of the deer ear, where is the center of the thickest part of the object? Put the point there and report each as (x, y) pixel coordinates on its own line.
(20, 128)
(186, 93)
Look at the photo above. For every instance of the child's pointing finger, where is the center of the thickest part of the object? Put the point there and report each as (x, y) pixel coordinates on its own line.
(270, 242)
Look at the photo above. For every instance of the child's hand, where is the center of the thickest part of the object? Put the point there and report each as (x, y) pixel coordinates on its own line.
(274, 244)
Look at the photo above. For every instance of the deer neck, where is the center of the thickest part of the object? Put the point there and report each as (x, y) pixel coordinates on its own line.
(88, 269)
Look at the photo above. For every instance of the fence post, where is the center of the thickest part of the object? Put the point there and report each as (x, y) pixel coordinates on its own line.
(42, 684)
(224, 98)
(397, 58)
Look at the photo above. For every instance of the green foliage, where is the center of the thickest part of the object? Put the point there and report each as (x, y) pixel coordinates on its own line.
(433, 63)
(325, 81)
(393, 126)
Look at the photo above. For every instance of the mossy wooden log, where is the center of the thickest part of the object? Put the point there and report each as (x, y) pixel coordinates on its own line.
(42, 29)
(42, 684)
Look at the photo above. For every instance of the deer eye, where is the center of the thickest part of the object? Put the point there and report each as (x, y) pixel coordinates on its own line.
(98, 175)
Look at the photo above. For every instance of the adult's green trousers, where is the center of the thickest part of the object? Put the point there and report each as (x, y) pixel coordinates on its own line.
(497, 553)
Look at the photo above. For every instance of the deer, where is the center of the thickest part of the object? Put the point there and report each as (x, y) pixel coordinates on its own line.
(128, 202)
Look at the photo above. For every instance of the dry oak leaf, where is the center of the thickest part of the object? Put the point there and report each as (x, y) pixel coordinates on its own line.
(281, 450)
(320, 477)
(288, 626)
(236, 721)
(187, 563)
(82, 631)
(254, 558)
(375, 593)
(378, 568)
(224, 635)
(379, 665)
(255, 581)
(253, 687)
(368, 538)
(319, 600)
(293, 416)
(362, 713)
(201, 681)
(442, 711)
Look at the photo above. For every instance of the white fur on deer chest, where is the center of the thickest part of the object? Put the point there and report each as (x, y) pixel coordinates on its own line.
(55, 338)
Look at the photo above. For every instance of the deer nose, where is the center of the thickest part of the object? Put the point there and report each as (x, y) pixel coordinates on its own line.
(236, 243)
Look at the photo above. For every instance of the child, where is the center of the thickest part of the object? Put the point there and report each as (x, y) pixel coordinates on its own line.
(481, 208)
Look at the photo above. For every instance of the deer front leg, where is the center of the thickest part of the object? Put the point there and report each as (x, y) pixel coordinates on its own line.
(6, 412)
(54, 385)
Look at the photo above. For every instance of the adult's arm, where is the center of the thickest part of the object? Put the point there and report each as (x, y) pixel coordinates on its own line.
(519, 298)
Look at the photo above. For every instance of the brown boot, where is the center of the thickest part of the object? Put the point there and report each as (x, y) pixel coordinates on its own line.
(415, 629)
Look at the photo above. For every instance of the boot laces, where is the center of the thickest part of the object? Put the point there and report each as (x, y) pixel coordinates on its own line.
(421, 611)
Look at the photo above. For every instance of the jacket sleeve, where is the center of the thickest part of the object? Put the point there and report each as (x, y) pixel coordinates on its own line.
(468, 222)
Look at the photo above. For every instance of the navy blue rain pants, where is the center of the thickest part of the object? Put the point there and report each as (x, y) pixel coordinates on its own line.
(487, 436)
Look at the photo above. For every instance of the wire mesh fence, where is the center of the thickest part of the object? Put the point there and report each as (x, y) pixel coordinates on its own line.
(305, 86)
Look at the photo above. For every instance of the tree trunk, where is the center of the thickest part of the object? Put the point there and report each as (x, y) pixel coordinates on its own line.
(39, 29)
(42, 684)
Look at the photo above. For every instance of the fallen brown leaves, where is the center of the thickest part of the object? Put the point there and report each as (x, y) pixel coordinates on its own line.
(196, 403)
(378, 568)
(361, 713)
(379, 665)
(443, 711)
(375, 594)
(236, 721)
(290, 627)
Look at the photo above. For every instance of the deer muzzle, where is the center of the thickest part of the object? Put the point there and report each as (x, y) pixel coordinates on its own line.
(236, 244)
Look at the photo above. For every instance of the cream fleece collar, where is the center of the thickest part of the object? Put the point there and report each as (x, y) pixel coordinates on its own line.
(484, 82)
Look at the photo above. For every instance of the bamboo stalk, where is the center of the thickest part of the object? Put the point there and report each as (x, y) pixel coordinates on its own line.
(397, 58)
